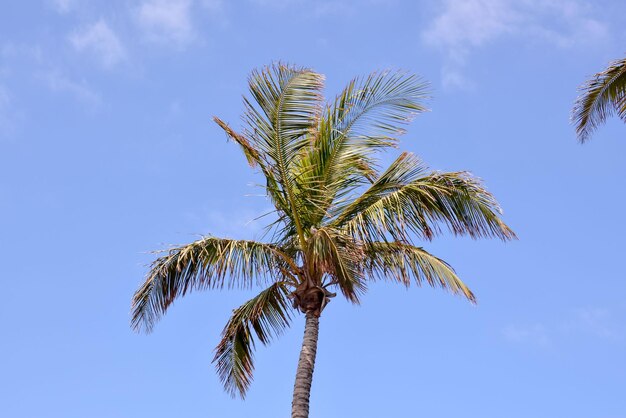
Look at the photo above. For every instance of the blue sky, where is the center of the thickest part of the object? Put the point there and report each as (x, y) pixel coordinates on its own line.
(107, 151)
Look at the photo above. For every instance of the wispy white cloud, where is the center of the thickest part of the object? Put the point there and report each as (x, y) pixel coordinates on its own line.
(80, 90)
(64, 6)
(7, 120)
(167, 21)
(452, 77)
(213, 6)
(599, 322)
(527, 334)
(13, 57)
(470, 23)
(319, 8)
(34, 63)
(174, 111)
(4, 99)
(100, 40)
(216, 11)
(11, 52)
(241, 223)
(277, 3)
(332, 8)
(465, 25)
(589, 323)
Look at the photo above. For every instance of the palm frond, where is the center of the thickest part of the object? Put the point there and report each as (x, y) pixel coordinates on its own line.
(204, 264)
(369, 114)
(252, 155)
(256, 159)
(340, 256)
(602, 95)
(407, 199)
(288, 104)
(402, 262)
(266, 315)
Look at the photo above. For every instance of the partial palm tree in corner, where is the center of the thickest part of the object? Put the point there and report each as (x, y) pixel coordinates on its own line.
(340, 222)
(602, 95)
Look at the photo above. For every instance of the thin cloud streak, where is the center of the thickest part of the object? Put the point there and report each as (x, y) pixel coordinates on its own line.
(7, 115)
(594, 322)
(80, 90)
(166, 21)
(599, 322)
(527, 334)
(64, 6)
(317, 9)
(466, 25)
(100, 40)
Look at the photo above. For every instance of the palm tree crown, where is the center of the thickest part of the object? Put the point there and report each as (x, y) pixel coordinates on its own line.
(602, 95)
(341, 221)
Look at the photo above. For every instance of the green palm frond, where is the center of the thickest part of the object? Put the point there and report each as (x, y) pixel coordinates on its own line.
(369, 114)
(406, 199)
(401, 172)
(266, 315)
(339, 256)
(602, 95)
(256, 159)
(403, 262)
(288, 105)
(203, 264)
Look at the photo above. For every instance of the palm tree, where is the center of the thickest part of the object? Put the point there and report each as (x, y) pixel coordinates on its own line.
(602, 95)
(340, 221)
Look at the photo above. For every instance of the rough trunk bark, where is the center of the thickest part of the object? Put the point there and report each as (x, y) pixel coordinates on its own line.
(304, 374)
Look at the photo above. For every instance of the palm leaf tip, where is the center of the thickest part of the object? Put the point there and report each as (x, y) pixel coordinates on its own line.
(251, 154)
(146, 307)
(204, 264)
(407, 199)
(404, 263)
(139, 321)
(265, 316)
(602, 95)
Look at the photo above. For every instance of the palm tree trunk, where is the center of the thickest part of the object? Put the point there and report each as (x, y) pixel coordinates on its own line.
(304, 374)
